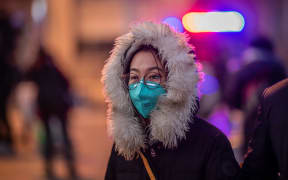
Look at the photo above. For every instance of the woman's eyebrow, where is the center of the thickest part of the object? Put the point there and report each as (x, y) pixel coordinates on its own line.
(134, 69)
(149, 69)
(155, 68)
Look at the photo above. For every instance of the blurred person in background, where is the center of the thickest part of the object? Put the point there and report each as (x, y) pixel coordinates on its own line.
(54, 101)
(261, 69)
(10, 76)
(150, 83)
(267, 156)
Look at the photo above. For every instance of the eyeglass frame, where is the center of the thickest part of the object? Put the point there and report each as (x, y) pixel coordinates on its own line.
(126, 78)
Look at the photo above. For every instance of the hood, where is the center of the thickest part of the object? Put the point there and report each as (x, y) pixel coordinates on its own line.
(172, 115)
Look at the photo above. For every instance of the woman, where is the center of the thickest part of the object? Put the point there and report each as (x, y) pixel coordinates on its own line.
(150, 83)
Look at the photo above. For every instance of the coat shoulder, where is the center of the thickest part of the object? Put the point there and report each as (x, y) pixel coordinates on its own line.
(276, 90)
(204, 128)
(205, 135)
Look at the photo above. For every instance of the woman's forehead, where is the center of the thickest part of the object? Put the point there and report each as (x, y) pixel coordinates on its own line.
(145, 60)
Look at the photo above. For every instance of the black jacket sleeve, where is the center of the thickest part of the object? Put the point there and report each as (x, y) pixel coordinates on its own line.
(260, 162)
(221, 163)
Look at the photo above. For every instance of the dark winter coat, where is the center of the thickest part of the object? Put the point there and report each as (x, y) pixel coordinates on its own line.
(267, 157)
(205, 154)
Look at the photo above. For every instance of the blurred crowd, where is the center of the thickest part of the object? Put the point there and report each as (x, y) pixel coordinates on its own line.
(41, 91)
(233, 107)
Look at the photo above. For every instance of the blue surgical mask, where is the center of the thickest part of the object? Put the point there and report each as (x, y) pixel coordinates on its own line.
(144, 96)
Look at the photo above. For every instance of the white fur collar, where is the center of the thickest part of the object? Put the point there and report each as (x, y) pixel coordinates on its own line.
(169, 121)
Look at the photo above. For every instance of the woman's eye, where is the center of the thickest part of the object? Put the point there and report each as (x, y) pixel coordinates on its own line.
(155, 77)
(133, 77)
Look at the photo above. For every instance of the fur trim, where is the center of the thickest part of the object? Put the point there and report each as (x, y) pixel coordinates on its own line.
(170, 119)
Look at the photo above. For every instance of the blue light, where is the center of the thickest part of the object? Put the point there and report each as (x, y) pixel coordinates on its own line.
(175, 23)
(210, 85)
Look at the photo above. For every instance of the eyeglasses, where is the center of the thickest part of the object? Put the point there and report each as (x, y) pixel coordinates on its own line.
(149, 79)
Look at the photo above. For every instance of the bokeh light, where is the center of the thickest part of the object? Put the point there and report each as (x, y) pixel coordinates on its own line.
(39, 10)
(225, 21)
(175, 23)
(210, 85)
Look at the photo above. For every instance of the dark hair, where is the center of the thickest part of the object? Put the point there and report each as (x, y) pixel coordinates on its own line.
(262, 42)
(126, 64)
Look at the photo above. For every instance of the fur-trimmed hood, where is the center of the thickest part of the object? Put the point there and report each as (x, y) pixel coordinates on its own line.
(170, 119)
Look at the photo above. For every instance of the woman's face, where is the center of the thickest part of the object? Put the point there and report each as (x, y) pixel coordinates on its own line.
(146, 65)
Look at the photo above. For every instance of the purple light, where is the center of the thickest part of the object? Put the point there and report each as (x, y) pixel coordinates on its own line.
(209, 85)
(175, 23)
(233, 65)
(220, 119)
